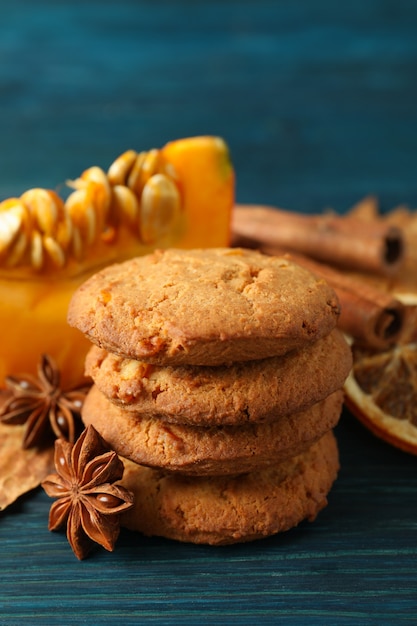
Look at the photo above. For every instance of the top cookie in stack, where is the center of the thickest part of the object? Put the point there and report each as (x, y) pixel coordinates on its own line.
(204, 307)
(213, 366)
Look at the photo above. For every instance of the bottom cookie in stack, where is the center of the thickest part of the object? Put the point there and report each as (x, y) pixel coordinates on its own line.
(220, 510)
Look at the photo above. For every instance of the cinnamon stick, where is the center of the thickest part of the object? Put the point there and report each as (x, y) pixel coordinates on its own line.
(368, 314)
(344, 241)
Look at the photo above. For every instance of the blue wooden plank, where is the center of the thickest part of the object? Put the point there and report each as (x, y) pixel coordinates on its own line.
(317, 103)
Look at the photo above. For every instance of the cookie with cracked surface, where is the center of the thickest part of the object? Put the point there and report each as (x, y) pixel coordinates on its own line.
(203, 307)
(208, 451)
(249, 392)
(225, 510)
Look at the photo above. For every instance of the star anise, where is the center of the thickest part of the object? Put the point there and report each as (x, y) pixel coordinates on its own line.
(88, 501)
(40, 402)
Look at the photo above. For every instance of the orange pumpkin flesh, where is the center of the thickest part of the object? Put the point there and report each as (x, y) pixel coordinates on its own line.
(204, 168)
(33, 305)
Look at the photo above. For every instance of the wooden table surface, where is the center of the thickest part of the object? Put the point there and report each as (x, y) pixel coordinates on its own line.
(317, 101)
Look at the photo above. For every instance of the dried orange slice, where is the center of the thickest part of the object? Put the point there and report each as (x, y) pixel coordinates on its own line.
(381, 390)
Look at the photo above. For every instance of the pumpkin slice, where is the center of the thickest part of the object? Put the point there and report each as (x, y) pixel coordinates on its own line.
(178, 196)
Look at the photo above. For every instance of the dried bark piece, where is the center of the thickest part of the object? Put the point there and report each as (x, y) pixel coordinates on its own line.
(404, 218)
(350, 243)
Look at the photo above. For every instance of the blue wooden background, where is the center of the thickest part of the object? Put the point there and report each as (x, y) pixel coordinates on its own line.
(318, 103)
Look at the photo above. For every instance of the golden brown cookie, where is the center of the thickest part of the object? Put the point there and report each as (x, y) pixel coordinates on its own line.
(254, 391)
(208, 451)
(203, 307)
(224, 510)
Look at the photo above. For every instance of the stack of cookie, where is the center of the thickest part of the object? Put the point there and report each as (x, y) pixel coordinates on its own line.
(217, 377)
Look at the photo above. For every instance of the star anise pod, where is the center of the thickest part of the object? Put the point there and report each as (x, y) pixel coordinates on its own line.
(40, 402)
(88, 501)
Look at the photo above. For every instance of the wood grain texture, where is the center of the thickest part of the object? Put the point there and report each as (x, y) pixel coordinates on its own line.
(317, 101)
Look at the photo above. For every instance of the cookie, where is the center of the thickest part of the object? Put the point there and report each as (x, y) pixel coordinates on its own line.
(250, 392)
(225, 510)
(208, 451)
(203, 307)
